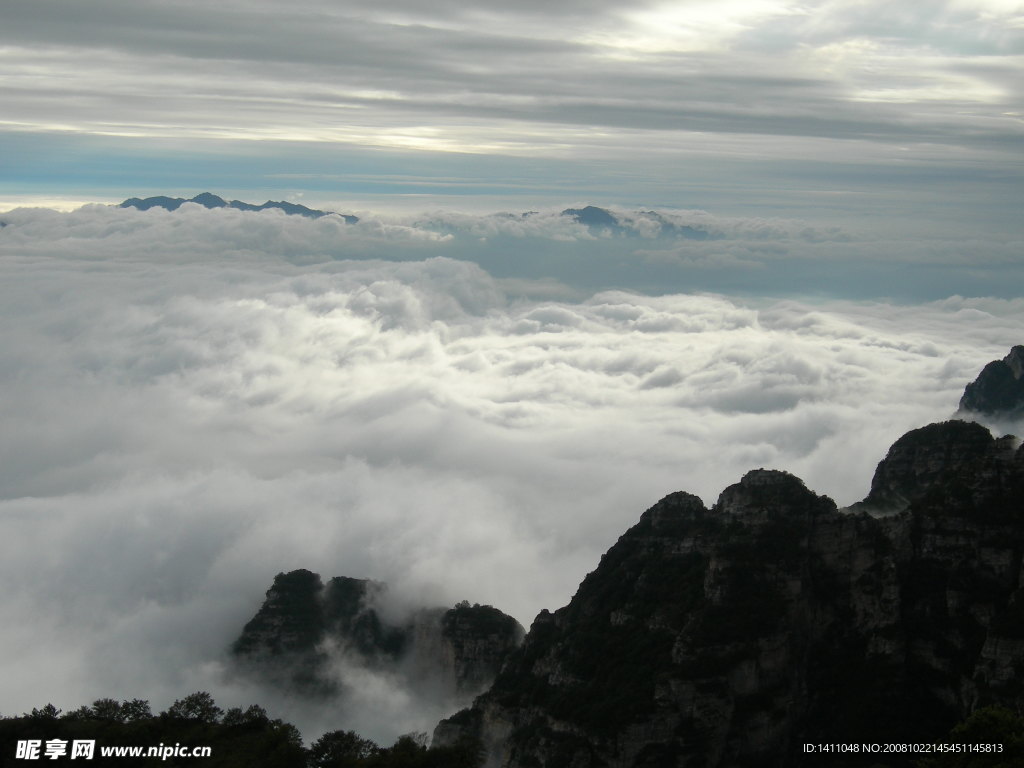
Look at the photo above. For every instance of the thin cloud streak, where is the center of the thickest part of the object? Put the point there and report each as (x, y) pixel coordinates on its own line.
(828, 70)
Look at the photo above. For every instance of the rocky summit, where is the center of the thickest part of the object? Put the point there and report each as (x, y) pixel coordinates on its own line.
(733, 636)
(303, 623)
(999, 388)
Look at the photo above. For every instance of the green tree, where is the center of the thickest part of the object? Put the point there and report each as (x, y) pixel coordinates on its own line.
(82, 713)
(49, 712)
(289, 734)
(253, 714)
(196, 706)
(107, 709)
(135, 710)
(341, 749)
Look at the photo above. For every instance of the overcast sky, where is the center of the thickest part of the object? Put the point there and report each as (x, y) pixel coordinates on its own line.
(468, 406)
(832, 109)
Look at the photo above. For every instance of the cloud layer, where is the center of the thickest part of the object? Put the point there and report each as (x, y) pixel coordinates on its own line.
(192, 404)
(555, 255)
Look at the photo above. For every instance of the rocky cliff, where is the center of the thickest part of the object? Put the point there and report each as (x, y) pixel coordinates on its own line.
(733, 635)
(999, 389)
(290, 640)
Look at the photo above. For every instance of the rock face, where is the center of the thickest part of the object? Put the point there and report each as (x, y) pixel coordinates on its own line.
(732, 636)
(477, 640)
(289, 641)
(952, 454)
(999, 388)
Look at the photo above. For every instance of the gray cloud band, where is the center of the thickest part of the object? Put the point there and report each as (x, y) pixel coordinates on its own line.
(827, 70)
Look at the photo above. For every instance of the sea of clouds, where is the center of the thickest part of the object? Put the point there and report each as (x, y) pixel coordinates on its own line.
(193, 402)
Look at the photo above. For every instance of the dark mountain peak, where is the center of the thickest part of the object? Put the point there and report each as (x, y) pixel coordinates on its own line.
(960, 453)
(999, 388)
(293, 209)
(302, 622)
(289, 621)
(345, 596)
(209, 200)
(1016, 360)
(593, 217)
(300, 612)
(479, 638)
(772, 478)
(673, 514)
(761, 491)
(299, 580)
(601, 220)
(161, 201)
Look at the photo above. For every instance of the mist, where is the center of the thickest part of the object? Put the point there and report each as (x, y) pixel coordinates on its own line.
(195, 402)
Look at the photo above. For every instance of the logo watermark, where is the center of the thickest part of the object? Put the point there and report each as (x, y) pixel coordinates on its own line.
(85, 749)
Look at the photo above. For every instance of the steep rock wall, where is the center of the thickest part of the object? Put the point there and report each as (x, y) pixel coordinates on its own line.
(730, 636)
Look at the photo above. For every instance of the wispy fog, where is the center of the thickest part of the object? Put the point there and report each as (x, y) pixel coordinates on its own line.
(545, 254)
(194, 402)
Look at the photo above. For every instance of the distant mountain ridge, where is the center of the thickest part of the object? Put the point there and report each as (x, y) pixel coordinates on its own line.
(209, 200)
(599, 221)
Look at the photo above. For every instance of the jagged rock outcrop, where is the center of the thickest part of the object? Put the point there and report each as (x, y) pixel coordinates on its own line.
(477, 639)
(290, 639)
(732, 636)
(924, 461)
(999, 388)
(284, 641)
(209, 200)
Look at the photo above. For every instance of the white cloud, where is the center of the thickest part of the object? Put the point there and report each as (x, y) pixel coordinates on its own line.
(194, 403)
